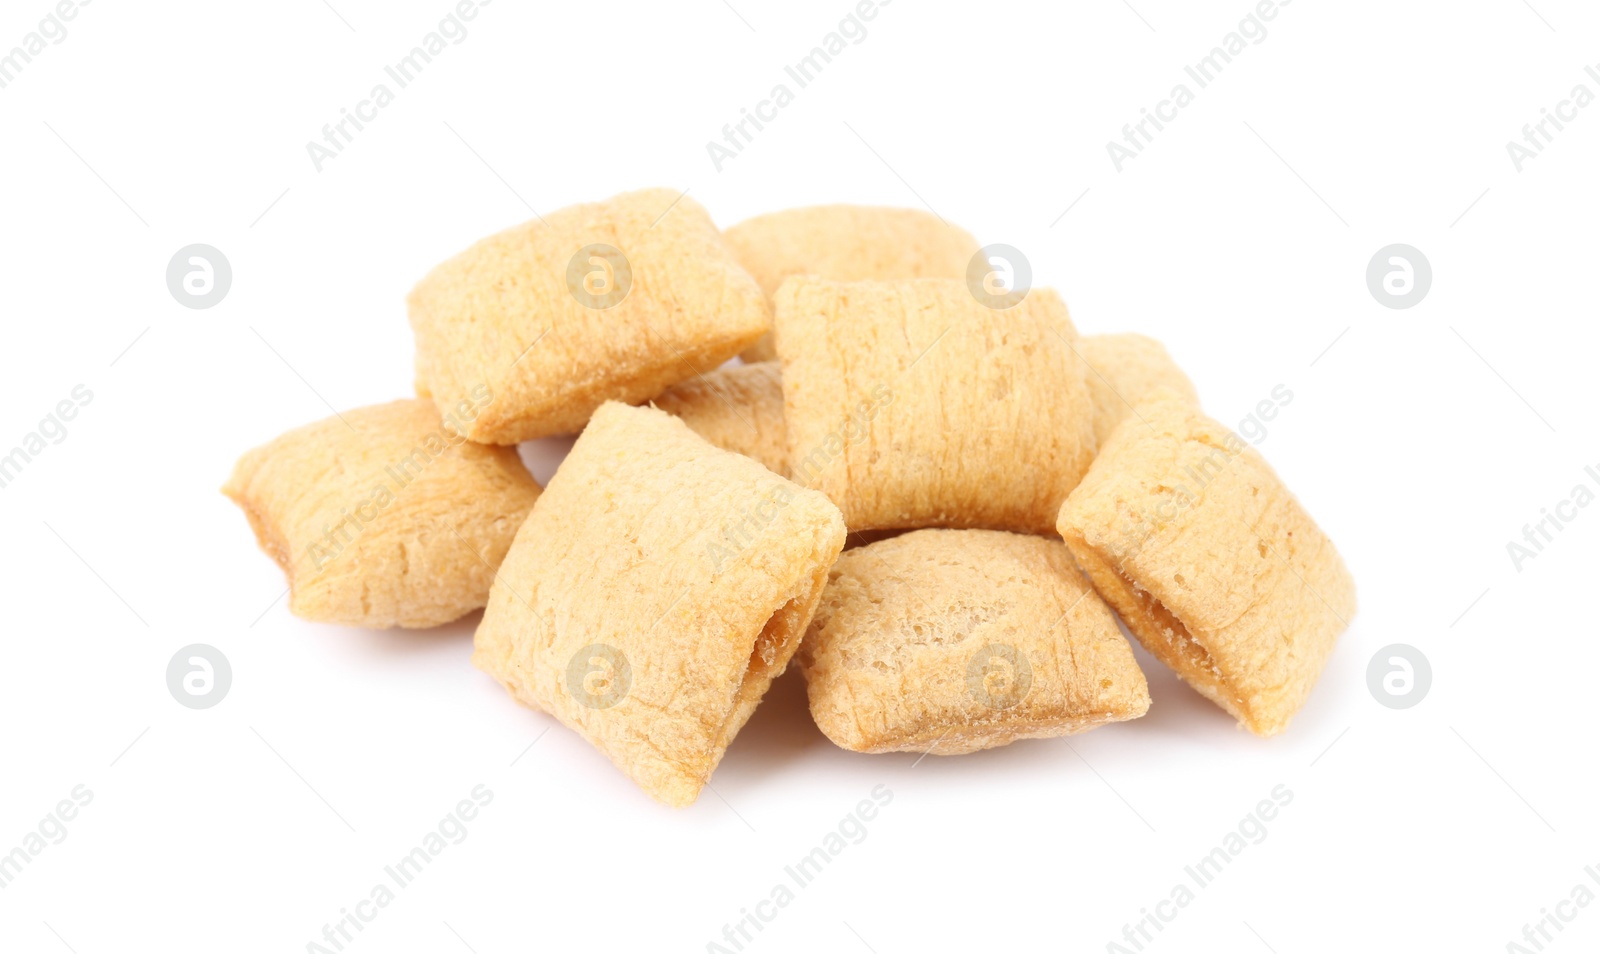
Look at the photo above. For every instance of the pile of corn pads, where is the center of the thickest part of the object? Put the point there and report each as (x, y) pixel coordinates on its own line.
(693, 541)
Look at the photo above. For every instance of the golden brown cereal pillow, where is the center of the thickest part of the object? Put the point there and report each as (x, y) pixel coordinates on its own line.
(385, 516)
(950, 641)
(911, 404)
(738, 408)
(1211, 562)
(847, 243)
(655, 592)
(610, 300)
(1124, 370)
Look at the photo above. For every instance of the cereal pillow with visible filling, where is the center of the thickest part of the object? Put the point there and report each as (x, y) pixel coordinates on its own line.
(1211, 562)
(654, 593)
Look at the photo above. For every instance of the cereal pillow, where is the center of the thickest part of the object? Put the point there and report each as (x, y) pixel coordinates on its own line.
(1211, 562)
(847, 243)
(385, 516)
(613, 300)
(912, 404)
(950, 641)
(737, 408)
(656, 590)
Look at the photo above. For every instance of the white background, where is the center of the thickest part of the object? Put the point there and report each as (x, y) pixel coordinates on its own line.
(1422, 440)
